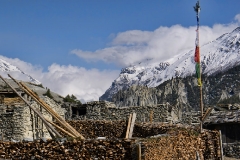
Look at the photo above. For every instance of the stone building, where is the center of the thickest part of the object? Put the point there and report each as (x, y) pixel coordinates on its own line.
(104, 110)
(18, 122)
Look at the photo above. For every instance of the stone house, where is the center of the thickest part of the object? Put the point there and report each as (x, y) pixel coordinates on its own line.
(18, 122)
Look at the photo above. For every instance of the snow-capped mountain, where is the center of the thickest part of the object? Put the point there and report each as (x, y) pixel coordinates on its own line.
(6, 67)
(218, 55)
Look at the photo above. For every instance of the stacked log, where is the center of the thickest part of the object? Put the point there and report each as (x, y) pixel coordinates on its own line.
(76, 149)
(171, 142)
(150, 129)
(184, 144)
(212, 144)
(117, 129)
(100, 128)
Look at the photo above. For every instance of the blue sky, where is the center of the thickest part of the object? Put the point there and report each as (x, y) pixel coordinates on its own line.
(102, 36)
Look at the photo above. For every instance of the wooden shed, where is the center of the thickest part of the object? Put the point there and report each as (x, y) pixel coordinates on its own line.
(226, 121)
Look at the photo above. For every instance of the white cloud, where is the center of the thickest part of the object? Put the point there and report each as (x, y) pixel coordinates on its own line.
(85, 84)
(161, 44)
(237, 18)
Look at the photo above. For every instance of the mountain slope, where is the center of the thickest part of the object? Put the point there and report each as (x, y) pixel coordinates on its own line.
(6, 67)
(218, 55)
(221, 88)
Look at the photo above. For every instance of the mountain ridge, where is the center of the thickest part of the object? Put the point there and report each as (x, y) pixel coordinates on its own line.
(216, 56)
(7, 67)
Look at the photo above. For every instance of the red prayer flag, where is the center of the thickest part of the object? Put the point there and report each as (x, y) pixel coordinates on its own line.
(197, 55)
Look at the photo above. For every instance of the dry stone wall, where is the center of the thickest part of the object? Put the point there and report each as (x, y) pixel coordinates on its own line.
(232, 149)
(103, 110)
(12, 122)
(18, 122)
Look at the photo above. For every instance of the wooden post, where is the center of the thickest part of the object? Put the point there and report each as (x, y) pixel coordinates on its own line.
(39, 114)
(151, 116)
(197, 10)
(220, 142)
(139, 152)
(42, 132)
(132, 125)
(33, 130)
(128, 126)
(201, 106)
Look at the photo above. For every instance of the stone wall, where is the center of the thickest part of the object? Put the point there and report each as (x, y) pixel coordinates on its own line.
(103, 110)
(232, 149)
(12, 122)
(18, 122)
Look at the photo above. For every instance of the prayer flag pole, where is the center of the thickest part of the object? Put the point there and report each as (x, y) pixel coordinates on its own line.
(198, 63)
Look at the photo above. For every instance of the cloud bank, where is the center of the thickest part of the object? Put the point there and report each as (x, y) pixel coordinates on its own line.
(135, 46)
(86, 85)
(125, 48)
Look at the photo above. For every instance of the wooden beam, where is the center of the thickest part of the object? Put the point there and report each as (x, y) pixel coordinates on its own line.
(129, 123)
(58, 118)
(39, 114)
(52, 112)
(132, 125)
(61, 129)
(206, 115)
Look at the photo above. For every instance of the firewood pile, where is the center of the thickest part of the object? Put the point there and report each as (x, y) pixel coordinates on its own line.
(68, 150)
(172, 142)
(144, 130)
(185, 144)
(93, 128)
(117, 129)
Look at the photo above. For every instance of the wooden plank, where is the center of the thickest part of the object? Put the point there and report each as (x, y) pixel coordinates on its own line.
(39, 114)
(132, 125)
(139, 152)
(129, 123)
(221, 148)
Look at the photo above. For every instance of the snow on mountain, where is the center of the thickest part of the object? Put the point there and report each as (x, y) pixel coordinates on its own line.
(6, 67)
(218, 55)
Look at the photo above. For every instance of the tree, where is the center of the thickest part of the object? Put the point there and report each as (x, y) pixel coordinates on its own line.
(71, 99)
(48, 93)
